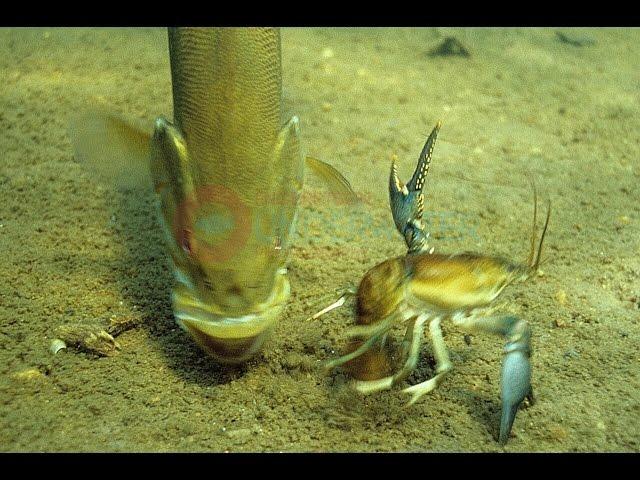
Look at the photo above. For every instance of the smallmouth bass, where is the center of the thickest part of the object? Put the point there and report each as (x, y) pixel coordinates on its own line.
(228, 176)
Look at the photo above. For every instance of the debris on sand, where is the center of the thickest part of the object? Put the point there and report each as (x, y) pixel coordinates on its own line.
(28, 374)
(575, 40)
(88, 338)
(561, 297)
(557, 433)
(450, 46)
(57, 345)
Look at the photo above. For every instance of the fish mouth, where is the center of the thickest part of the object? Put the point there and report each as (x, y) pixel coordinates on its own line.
(224, 349)
(229, 339)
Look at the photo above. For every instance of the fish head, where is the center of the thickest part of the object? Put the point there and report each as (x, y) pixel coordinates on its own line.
(228, 244)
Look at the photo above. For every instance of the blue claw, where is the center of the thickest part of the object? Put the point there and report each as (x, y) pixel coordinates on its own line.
(407, 201)
(516, 385)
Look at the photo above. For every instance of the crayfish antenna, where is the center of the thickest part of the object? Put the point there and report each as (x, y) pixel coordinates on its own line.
(533, 261)
(349, 292)
(544, 232)
(532, 250)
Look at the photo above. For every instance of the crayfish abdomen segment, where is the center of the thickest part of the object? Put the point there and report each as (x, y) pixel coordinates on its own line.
(380, 292)
(379, 296)
(373, 364)
(465, 281)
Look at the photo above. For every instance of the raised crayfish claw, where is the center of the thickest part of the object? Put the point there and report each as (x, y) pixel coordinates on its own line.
(407, 201)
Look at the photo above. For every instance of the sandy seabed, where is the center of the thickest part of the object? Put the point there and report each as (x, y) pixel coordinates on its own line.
(562, 109)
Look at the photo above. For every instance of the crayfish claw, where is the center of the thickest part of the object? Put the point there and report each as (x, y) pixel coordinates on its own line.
(407, 201)
(515, 379)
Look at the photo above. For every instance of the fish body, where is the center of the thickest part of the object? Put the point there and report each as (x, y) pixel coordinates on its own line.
(228, 173)
(229, 176)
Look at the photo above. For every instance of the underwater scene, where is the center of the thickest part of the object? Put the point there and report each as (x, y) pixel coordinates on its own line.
(320, 240)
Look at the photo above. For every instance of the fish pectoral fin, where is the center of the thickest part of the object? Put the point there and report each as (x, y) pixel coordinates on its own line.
(288, 181)
(287, 160)
(113, 149)
(170, 162)
(338, 185)
(288, 155)
(170, 166)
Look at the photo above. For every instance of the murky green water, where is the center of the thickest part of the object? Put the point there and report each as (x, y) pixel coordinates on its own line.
(559, 106)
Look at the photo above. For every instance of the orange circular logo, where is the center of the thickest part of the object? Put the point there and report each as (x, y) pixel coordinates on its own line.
(213, 225)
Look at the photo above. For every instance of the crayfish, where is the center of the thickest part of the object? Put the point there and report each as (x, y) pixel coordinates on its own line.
(425, 288)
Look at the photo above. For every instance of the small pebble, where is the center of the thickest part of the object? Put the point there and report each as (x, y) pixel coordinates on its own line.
(28, 374)
(561, 297)
(557, 433)
(450, 46)
(57, 345)
(327, 53)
